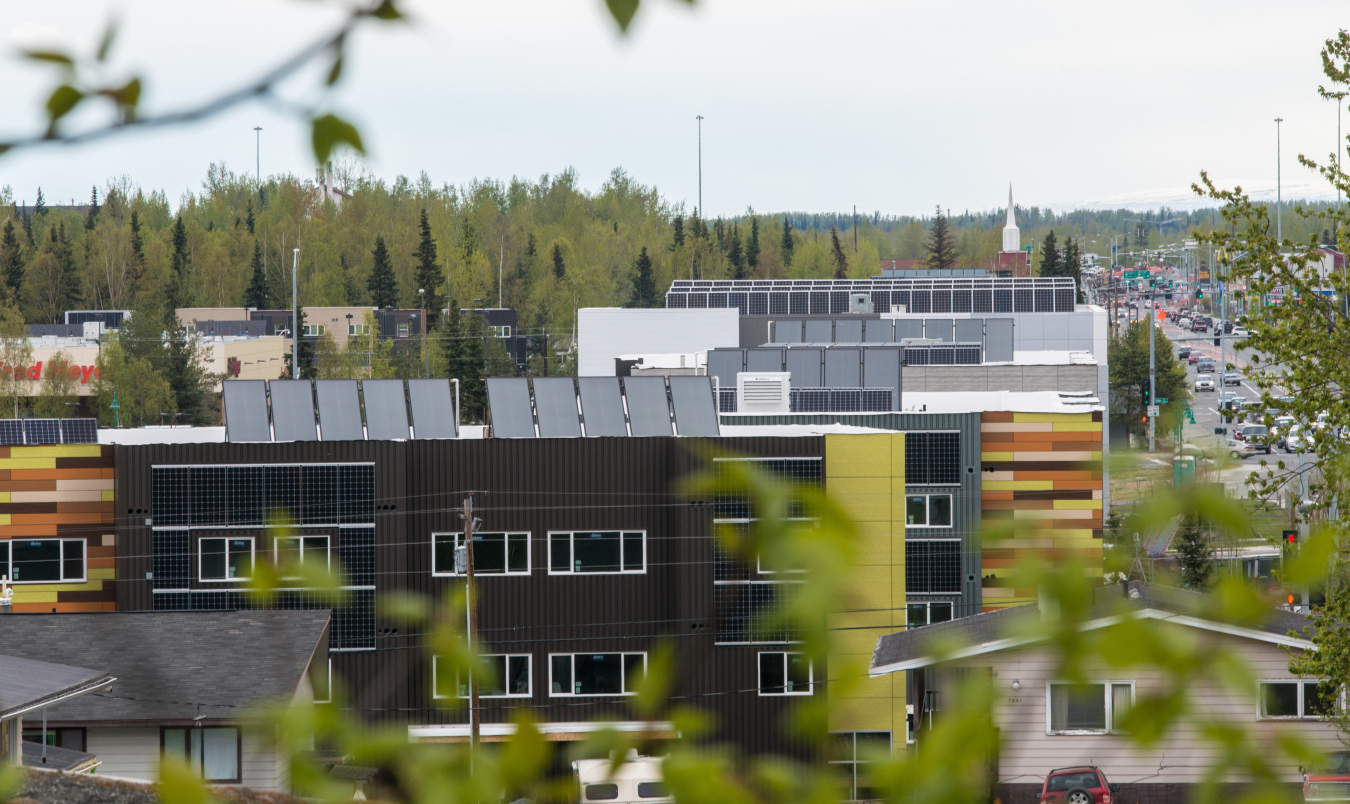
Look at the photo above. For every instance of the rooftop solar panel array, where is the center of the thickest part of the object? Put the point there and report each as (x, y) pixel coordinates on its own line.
(386, 410)
(17, 432)
(246, 411)
(555, 402)
(941, 294)
(509, 405)
(293, 410)
(339, 410)
(648, 408)
(431, 401)
(79, 431)
(602, 406)
(339, 405)
(695, 413)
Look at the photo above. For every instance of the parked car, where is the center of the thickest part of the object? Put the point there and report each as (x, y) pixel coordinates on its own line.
(1204, 383)
(1328, 779)
(1232, 378)
(1085, 784)
(1228, 326)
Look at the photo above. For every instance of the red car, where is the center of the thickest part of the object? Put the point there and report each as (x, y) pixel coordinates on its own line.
(1329, 779)
(1085, 784)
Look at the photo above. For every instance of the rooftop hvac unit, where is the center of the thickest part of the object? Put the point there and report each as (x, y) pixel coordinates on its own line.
(766, 392)
(859, 303)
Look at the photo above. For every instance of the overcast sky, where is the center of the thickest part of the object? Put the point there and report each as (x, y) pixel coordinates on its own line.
(892, 106)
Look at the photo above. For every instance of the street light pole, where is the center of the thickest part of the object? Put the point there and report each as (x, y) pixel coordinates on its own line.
(1279, 201)
(295, 313)
(701, 210)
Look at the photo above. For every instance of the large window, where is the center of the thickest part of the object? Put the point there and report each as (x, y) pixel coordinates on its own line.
(291, 551)
(851, 754)
(1294, 699)
(1095, 708)
(213, 752)
(933, 566)
(358, 329)
(597, 551)
(221, 559)
(595, 673)
(928, 510)
(493, 553)
(784, 674)
(927, 613)
(42, 560)
(314, 330)
(508, 677)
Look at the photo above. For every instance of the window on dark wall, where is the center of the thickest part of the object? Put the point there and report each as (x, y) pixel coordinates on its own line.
(785, 674)
(596, 673)
(933, 459)
(933, 566)
(597, 551)
(42, 560)
(493, 553)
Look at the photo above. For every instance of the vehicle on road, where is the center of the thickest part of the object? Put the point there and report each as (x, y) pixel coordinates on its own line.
(1084, 784)
(1193, 358)
(1232, 378)
(1204, 383)
(1239, 332)
(639, 779)
(1239, 449)
(1205, 364)
(1255, 435)
(1183, 352)
(1199, 326)
(1294, 439)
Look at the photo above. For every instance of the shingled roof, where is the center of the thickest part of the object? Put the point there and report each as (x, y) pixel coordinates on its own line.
(173, 666)
(1008, 628)
(26, 684)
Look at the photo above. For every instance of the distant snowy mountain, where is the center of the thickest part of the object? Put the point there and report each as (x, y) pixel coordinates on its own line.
(1182, 198)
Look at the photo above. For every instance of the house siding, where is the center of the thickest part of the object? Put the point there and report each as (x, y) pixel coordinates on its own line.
(132, 753)
(1183, 756)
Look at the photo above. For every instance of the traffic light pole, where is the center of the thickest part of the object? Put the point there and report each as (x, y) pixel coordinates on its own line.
(1152, 381)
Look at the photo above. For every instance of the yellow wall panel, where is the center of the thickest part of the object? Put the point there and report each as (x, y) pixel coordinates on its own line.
(857, 456)
(27, 463)
(57, 451)
(996, 456)
(108, 495)
(1052, 417)
(1070, 504)
(1078, 427)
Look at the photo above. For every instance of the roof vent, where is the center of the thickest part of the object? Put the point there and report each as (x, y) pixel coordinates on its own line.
(766, 392)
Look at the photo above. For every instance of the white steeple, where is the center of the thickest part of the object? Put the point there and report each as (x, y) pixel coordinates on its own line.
(1012, 239)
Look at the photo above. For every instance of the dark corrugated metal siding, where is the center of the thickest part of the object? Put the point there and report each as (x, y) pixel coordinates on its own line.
(536, 485)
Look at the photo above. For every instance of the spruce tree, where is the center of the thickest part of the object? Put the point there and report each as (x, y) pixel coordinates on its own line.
(28, 230)
(137, 254)
(1050, 258)
(1195, 555)
(180, 291)
(837, 250)
(249, 220)
(258, 295)
(787, 243)
(429, 276)
(679, 231)
(752, 246)
(462, 350)
(941, 244)
(11, 261)
(39, 206)
(382, 284)
(559, 267)
(735, 257)
(644, 284)
(91, 220)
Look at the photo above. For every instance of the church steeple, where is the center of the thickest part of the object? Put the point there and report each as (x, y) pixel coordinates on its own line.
(1012, 239)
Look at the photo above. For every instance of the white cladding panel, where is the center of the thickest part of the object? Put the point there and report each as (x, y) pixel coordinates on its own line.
(604, 333)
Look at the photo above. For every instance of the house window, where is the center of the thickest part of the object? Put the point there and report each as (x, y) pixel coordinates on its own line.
(403, 329)
(851, 755)
(225, 559)
(314, 330)
(493, 553)
(1096, 708)
(502, 332)
(1294, 699)
(508, 677)
(929, 510)
(71, 739)
(213, 752)
(784, 674)
(291, 551)
(597, 551)
(42, 560)
(927, 613)
(358, 329)
(595, 673)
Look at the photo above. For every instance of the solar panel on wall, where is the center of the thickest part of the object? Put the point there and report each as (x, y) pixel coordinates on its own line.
(602, 406)
(725, 364)
(386, 410)
(293, 410)
(695, 414)
(79, 431)
(509, 404)
(805, 367)
(969, 330)
(433, 409)
(555, 403)
(843, 368)
(648, 409)
(881, 369)
(41, 431)
(849, 331)
(339, 410)
(877, 330)
(998, 340)
(246, 411)
(819, 330)
(757, 360)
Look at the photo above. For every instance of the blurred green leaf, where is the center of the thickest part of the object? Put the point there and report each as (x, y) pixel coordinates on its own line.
(62, 100)
(622, 11)
(11, 779)
(1313, 560)
(331, 131)
(405, 608)
(653, 688)
(387, 11)
(50, 56)
(105, 44)
(335, 72)
(526, 755)
(179, 785)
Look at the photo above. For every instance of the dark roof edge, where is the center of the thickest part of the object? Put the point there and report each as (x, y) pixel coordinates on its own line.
(57, 697)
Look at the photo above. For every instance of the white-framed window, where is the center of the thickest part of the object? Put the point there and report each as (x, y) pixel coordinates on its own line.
(921, 613)
(571, 674)
(358, 329)
(502, 332)
(1093, 708)
(293, 550)
(213, 752)
(493, 553)
(1291, 699)
(508, 677)
(225, 559)
(314, 330)
(783, 673)
(928, 510)
(403, 330)
(591, 552)
(43, 560)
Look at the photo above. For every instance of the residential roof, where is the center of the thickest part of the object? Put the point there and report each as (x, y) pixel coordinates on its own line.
(174, 665)
(27, 684)
(58, 758)
(1006, 629)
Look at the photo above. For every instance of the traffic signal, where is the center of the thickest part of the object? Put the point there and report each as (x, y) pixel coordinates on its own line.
(1291, 537)
(1147, 396)
(1199, 294)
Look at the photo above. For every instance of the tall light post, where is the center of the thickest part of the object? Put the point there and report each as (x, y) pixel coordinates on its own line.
(1339, 97)
(701, 210)
(1279, 201)
(295, 313)
(257, 154)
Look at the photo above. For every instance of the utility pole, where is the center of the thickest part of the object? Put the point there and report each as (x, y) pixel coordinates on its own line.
(701, 210)
(473, 617)
(257, 154)
(1279, 201)
(1152, 386)
(295, 311)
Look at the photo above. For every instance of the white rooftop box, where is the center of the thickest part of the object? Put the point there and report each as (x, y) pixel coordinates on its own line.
(763, 392)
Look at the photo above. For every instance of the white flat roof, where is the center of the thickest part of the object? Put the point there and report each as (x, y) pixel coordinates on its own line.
(797, 430)
(1004, 401)
(163, 435)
